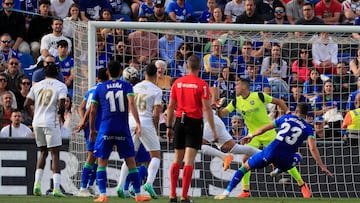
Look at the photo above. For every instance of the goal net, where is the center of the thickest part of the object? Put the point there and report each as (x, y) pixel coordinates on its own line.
(273, 52)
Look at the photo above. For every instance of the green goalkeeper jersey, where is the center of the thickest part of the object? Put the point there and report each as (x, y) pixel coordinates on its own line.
(253, 110)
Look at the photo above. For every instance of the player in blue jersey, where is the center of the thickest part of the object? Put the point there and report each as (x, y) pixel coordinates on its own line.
(115, 98)
(90, 166)
(282, 152)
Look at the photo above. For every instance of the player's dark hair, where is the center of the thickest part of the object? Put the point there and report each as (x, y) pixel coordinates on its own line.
(151, 70)
(194, 62)
(114, 68)
(51, 70)
(303, 108)
(102, 74)
(245, 81)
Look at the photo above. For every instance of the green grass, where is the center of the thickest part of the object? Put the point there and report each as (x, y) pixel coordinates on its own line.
(48, 199)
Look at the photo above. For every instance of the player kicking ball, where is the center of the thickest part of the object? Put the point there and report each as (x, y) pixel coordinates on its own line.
(225, 143)
(282, 152)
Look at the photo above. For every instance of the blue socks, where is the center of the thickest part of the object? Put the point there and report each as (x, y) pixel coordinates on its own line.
(236, 178)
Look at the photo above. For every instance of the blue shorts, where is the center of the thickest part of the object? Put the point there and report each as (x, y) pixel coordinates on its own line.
(142, 155)
(104, 145)
(89, 145)
(281, 161)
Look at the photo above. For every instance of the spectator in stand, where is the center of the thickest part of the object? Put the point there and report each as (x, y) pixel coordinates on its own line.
(122, 55)
(25, 85)
(351, 101)
(5, 108)
(66, 63)
(324, 53)
(352, 123)
(90, 10)
(60, 8)
(294, 10)
(328, 105)
(275, 69)
(144, 45)
(120, 9)
(329, 11)
(224, 86)
(13, 23)
(14, 75)
(49, 42)
(178, 65)
(180, 11)
(135, 6)
(4, 90)
(16, 128)
(39, 73)
(351, 10)
(206, 15)
(168, 44)
(249, 16)
(146, 8)
(214, 62)
(39, 26)
(6, 52)
(73, 15)
(319, 124)
(159, 14)
(296, 97)
(355, 64)
(265, 9)
(102, 57)
(31, 6)
(238, 129)
(258, 83)
(302, 65)
(239, 64)
(163, 80)
(309, 17)
(279, 13)
(344, 82)
(217, 16)
(313, 86)
(233, 9)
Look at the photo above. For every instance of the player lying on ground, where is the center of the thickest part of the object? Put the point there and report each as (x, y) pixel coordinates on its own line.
(282, 152)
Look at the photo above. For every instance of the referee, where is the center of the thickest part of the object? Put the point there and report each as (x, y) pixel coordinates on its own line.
(190, 95)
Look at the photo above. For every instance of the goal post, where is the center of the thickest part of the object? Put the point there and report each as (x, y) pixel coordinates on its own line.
(209, 178)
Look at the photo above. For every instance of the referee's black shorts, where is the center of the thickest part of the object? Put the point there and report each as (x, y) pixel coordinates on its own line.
(188, 134)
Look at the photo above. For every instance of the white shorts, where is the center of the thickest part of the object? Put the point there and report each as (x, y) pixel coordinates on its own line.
(48, 136)
(221, 131)
(148, 138)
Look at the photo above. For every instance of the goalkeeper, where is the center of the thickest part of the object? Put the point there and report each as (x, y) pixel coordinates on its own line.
(252, 106)
(282, 151)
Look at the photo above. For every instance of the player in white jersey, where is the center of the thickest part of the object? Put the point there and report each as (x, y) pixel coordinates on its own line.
(48, 97)
(148, 98)
(224, 143)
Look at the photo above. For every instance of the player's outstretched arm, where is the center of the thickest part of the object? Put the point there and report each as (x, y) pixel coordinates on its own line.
(28, 106)
(260, 131)
(281, 104)
(316, 155)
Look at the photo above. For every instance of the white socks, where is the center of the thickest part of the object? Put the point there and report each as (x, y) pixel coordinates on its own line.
(152, 170)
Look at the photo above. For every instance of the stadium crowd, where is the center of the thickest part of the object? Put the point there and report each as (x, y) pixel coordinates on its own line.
(322, 73)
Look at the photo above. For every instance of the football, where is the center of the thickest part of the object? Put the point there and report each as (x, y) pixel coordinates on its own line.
(130, 72)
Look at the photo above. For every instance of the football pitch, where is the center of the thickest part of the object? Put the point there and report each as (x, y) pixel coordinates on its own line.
(49, 199)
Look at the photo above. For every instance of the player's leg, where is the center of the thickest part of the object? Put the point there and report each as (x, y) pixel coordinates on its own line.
(193, 140)
(56, 171)
(211, 151)
(54, 142)
(88, 171)
(126, 150)
(255, 161)
(40, 165)
(152, 144)
(101, 179)
(92, 178)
